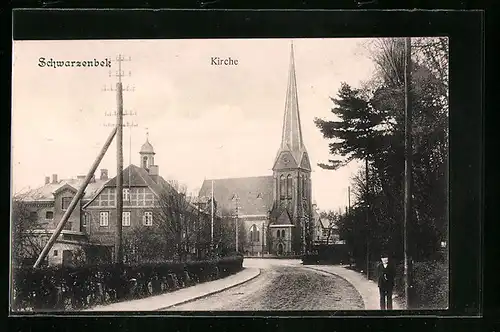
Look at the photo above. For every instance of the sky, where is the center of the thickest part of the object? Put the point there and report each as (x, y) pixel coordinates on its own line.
(203, 121)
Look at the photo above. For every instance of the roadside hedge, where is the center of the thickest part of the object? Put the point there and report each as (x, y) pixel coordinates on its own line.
(430, 284)
(72, 288)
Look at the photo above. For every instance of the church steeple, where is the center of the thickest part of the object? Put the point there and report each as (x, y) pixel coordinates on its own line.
(291, 137)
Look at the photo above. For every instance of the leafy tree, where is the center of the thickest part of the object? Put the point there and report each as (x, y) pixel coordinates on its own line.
(369, 125)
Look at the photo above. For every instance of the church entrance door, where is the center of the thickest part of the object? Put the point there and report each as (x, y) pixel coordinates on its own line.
(280, 248)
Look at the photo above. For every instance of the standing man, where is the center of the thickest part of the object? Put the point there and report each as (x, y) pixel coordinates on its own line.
(385, 276)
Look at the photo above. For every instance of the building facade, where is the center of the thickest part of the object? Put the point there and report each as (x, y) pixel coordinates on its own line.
(275, 210)
(92, 224)
(47, 205)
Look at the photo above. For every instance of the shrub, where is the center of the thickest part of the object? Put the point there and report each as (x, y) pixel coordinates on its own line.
(69, 287)
(430, 284)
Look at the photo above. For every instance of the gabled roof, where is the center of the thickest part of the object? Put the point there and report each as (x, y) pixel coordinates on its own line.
(255, 194)
(134, 176)
(65, 187)
(46, 192)
(283, 219)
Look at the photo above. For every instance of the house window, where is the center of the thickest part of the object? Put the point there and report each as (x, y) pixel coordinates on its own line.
(126, 194)
(65, 202)
(33, 216)
(85, 219)
(49, 215)
(104, 219)
(148, 218)
(289, 186)
(126, 219)
(55, 253)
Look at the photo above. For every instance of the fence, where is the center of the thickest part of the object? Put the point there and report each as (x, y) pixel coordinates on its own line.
(71, 288)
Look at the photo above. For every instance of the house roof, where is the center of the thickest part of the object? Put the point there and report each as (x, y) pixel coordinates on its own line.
(46, 192)
(135, 176)
(255, 194)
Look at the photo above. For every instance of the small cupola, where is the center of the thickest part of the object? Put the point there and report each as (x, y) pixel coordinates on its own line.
(147, 154)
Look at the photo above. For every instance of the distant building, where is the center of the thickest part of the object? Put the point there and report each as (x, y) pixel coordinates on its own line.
(275, 210)
(324, 231)
(47, 205)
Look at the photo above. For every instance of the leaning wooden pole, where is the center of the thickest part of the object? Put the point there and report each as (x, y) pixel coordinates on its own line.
(408, 171)
(119, 172)
(75, 200)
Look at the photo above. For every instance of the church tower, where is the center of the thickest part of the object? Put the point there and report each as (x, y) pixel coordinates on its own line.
(292, 174)
(147, 154)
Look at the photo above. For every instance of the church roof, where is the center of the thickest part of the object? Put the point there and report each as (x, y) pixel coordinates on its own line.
(46, 192)
(147, 148)
(255, 194)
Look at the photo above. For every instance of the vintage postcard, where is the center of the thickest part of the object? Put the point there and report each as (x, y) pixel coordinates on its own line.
(230, 175)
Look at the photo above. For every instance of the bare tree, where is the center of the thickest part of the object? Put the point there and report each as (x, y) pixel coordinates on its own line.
(175, 218)
(28, 239)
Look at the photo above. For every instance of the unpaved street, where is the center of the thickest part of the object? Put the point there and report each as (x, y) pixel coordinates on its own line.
(282, 285)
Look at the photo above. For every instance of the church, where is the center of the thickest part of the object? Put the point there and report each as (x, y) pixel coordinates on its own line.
(275, 210)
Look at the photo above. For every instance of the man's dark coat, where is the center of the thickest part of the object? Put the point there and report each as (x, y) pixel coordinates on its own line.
(385, 276)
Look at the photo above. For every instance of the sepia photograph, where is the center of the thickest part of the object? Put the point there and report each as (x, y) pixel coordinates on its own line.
(216, 175)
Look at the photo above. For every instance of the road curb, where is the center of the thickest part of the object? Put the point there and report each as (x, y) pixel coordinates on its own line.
(211, 293)
(365, 301)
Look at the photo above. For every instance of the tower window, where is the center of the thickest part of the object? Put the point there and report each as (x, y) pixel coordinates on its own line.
(289, 186)
(283, 233)
(144, 162)
(304, 186)
(282, 187)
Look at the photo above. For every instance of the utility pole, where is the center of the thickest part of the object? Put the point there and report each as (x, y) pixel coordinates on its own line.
(367, 220)
(212, 219)
(349, 200)
(119, 159)
(237, 212)
(408, 171)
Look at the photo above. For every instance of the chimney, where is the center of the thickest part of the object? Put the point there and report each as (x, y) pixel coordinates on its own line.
(47, 179)
(92, 179)
(104, 174)
(153, 172)
(54, 178)
(81, 177)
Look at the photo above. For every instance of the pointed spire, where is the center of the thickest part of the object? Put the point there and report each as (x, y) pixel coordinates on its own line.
(292, 132)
